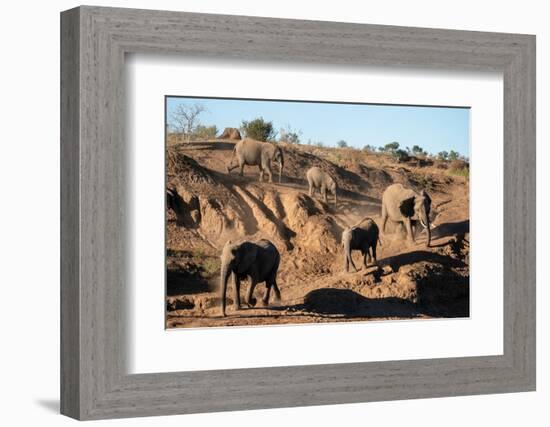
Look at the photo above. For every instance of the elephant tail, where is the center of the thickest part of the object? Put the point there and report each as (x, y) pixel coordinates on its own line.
(379, 241)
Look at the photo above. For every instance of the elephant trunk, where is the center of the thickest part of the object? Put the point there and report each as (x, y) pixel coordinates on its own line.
(224, 277)
(428, 229)
(346, 241)
(425, 221)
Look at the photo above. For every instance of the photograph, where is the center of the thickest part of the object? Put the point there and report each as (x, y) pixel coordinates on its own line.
(292, 212)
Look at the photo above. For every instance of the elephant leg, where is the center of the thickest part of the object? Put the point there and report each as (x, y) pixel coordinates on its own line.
(237, 292)
(349, 260)
(249, 298)
(408, 227)
(271, 282)
(265, 299)
(373, 249)
(324, 193)
(241, 166)
(261, 174)
(267, 167)
(345, 244)
(346, 263)
(276, 290)
(310, 190)
(366, 256)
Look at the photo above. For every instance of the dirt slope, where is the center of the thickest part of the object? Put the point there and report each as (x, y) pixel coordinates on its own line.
(213, 206)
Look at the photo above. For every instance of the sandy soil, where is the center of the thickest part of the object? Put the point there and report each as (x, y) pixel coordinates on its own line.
(412, 280)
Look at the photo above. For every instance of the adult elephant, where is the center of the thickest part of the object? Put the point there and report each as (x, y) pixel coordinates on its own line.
(363, 236)
(259, 261)
(401, 204)
(256, 153)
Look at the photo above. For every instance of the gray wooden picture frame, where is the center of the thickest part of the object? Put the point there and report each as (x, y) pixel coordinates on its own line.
(94, 41)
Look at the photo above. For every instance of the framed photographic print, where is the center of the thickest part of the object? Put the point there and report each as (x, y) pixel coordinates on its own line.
(302, 246)
(303, 212)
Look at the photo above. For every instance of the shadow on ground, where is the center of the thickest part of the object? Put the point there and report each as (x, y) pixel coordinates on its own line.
(451, 228)
(207, 145)
(347, 303)
(182, 282)
(442, 295)
(397, 261)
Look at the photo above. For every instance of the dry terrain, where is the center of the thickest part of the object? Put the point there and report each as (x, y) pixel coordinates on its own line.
(412, 280)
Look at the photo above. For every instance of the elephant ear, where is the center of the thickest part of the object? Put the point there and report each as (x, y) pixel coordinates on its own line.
(406, 207)
(247, 256)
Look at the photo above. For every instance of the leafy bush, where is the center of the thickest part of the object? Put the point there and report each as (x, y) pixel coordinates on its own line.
(459, 168)
(443, 155)
(453, 155)
(465, 172)
(205, 132)
(401, 155)
(211, 266)
(292, 136)
(258, 129)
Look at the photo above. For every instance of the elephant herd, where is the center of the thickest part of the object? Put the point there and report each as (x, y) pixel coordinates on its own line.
(259, 261)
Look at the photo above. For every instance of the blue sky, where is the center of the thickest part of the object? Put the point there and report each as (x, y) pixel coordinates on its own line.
(433, 128)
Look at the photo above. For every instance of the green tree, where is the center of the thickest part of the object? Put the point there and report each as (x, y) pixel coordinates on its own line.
(369, 148)
(391, 147)
(443, 155)
(418, 151)
(453, 155)
(342, 144)
(258, 129)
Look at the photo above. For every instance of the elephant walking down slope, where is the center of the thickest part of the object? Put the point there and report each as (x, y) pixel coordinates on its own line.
(363, 236)
(401, 204)
(259, 261)
(256, 153)
(322, 181)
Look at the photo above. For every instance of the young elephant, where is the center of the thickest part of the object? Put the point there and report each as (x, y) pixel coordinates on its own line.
(256, 153)
(363, 236)
(322, 181)
(258, 261)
